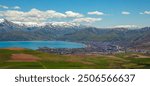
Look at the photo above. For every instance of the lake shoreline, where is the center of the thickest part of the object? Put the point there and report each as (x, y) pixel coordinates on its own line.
(39, 44)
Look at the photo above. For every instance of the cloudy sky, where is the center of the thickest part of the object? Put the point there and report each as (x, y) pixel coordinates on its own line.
(99, 13)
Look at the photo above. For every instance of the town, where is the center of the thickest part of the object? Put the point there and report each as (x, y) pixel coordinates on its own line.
(93, 48)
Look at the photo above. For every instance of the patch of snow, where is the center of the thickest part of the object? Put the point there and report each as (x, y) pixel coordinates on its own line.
(2, 20)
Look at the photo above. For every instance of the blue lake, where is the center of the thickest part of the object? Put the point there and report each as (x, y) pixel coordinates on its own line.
(37, 44)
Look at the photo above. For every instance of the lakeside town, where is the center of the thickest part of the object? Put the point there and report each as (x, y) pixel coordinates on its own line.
(94, 48)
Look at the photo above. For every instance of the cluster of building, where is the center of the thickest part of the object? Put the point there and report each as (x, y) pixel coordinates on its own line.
(139, 51)
(92, 47)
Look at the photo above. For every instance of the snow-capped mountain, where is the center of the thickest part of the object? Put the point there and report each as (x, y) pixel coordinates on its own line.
(29, 24)
(2, 20)
(6, 25)
(29, 30)
(45, 24)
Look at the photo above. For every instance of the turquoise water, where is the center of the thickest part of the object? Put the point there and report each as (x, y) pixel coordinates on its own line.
(37, 44)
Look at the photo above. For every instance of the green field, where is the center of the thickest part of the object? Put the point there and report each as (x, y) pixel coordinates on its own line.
(53, 61)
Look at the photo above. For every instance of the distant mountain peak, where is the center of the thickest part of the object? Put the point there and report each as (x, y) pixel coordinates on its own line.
(2, 20)
(8, 26)
(29, 24)
(35, 24)
(65, 24)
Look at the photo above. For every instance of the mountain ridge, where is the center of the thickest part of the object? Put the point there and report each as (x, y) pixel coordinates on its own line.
(10, 31)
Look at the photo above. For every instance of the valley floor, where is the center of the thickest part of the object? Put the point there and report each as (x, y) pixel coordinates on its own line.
(17, 58)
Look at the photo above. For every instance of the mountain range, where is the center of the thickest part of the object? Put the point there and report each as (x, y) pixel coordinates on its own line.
(16, 31)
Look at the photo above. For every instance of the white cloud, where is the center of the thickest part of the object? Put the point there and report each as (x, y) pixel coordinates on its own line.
(146, 12)
(95, 13)
(125, 13)
(16, 7)
(86, 20)
(4, 7)
(126, 26)
(35, 15)
(7, 7)
(73, 14)
(54, 14)
(44, 14)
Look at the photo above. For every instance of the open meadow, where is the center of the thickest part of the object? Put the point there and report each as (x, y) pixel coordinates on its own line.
(32, 59)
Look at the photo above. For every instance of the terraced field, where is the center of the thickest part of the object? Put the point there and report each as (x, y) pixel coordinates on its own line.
(31, 59)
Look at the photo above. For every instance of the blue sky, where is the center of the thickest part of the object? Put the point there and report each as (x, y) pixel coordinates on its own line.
(99, 13)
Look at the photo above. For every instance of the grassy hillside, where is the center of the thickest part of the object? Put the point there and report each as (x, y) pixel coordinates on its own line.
(132, 37)
(23, 59)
